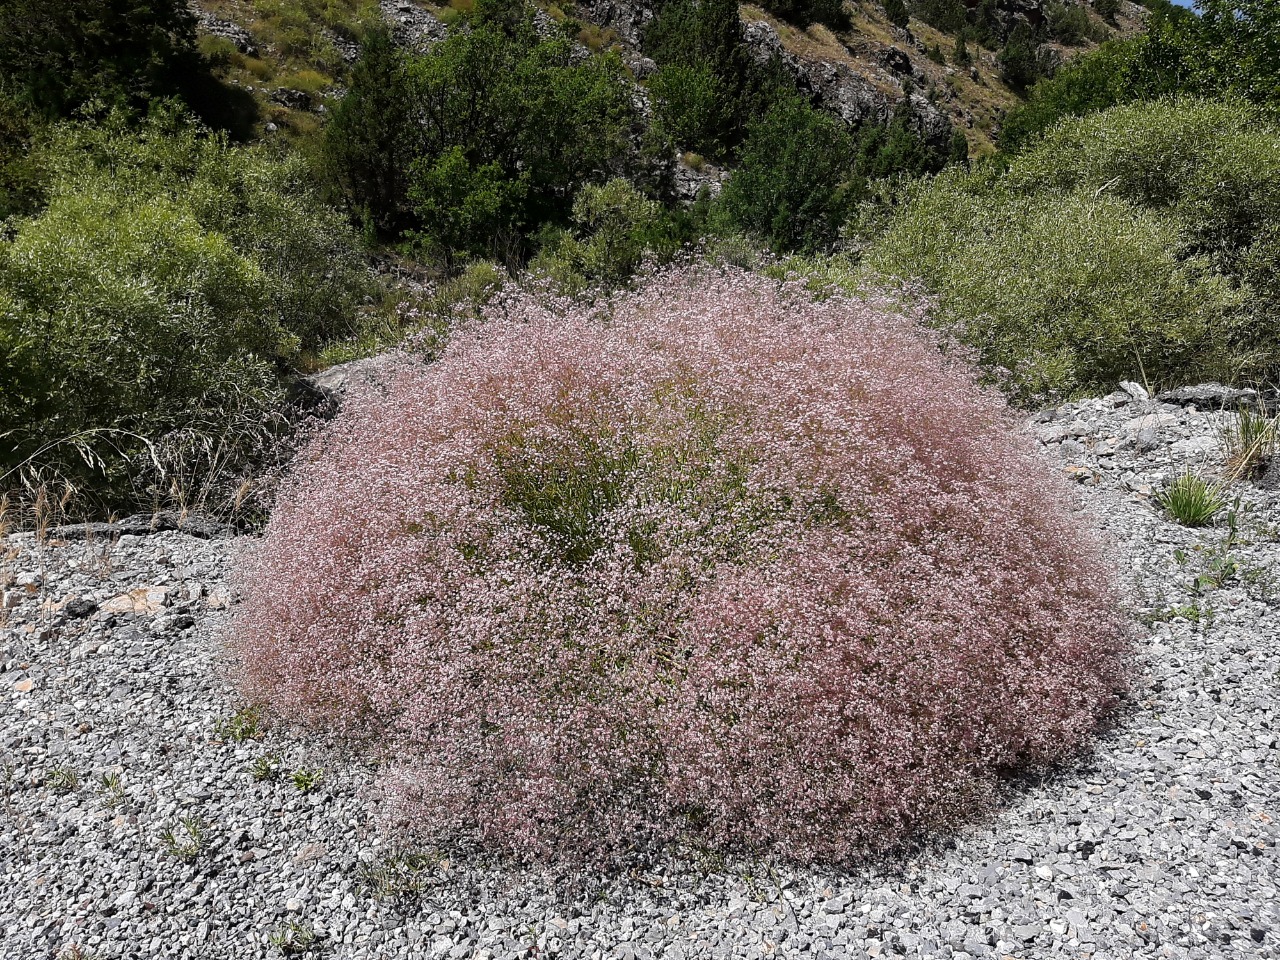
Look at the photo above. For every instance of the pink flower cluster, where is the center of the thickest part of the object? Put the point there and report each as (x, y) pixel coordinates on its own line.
(715, 563)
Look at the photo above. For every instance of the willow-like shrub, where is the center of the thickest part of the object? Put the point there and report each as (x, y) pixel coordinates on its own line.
(713, 563)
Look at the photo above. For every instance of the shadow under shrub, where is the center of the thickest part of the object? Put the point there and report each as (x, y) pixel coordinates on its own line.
(711, 563)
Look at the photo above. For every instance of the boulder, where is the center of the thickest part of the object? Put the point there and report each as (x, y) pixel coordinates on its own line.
(1210, 395)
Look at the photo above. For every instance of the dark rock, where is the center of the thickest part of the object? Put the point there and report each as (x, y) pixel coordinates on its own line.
(1210, 395)
(896, 60)
(79, 608)
(141, 525)
(1270, 478)
(293, 99)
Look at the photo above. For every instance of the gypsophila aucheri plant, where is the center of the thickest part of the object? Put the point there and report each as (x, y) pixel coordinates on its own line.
(710, 562)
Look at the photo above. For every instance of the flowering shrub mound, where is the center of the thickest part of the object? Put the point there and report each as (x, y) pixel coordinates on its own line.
(713, 563)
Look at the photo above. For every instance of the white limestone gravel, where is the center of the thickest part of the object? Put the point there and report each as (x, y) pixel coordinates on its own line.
(1160, 843)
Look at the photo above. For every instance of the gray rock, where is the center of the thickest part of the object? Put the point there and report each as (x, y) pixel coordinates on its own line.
(141, 525)
(1212, 395)
(1135, 391)
(411, 25)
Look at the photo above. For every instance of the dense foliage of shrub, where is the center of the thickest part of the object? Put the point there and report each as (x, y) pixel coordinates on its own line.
(367, 152)
(1129, 241)
(1020, 59)
(795, 180)
(896, 11)
(897, 148)
(691, 108)
(800, 172)
(1212, 168)
(1068, 23)
(1096, 81)
(486, 136)
(732, 567)
(1231, 48)
(830, 13)
(19, 177)
(1228, 47)
(168, 280)
(57, 54)
(1067, 292)
(719, 88)
(614, 229)
(949, 16)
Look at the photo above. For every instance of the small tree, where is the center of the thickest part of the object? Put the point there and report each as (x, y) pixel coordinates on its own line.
(369, 142)
(1107, 9)
(1020, 62)
(792, 188)
(896, 11)
(691, 108)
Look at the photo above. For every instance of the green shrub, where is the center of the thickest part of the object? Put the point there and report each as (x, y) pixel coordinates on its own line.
(1068, 292)
(1096, 81)
(615, 227)
(1139, 237)
(57, 54)
(1068, 23)
(1021, 63)
(1107, 9)
(897, 147)
(804, 12)
(501, 126)
(1227, 47)
(123, 320)
(691, 108)
(1213, 167)
(19, 176)
(169, 280)
(366, 151)
(707, 36)
(795, 182)
(948, 16)
(896, 11)
(1228, 50)
(265, 204)
(1191, 500)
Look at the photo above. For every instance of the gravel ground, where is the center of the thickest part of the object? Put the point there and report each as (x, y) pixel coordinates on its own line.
(139, 817)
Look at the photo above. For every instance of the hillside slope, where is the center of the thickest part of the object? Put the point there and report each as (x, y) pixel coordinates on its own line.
(293, 55)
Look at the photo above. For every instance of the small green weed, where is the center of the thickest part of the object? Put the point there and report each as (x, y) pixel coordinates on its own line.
(185, 841)
(62, 780)
(244, 724)
(397, 877)
(305, 780)
(266, 768)
(112, 789)
(1192, 612)
(1249, 441)
(1191, 500)
(294, 937)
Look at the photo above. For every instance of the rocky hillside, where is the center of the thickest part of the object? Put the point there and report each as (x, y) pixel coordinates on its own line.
(294, 61)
